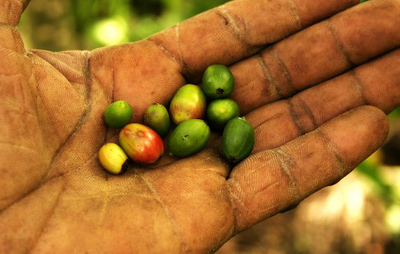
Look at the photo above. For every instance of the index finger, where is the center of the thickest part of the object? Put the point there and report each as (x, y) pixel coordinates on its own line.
(10, 11)
(239, 29)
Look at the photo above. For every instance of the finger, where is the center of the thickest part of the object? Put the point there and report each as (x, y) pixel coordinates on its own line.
(238, 29)
(11, 10)
(273, 180)
(375, 83)
(317, 53)
(21, 143)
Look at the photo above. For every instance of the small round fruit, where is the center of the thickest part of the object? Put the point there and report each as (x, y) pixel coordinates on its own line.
(237, 140)
(113, 158)
(141, 143)
(188, 138)
(157, 118)
(118, 114)
(218, 82)
(188, 102)
(219, 112)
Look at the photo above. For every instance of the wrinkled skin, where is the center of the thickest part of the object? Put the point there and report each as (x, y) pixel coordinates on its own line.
(299, 93)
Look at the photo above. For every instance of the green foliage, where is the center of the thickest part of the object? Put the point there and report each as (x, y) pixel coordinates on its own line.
(395, 114)
(91, 24)
(386, 191)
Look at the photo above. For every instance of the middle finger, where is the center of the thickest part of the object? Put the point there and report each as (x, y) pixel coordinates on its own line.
(318, 53)
(375, 83)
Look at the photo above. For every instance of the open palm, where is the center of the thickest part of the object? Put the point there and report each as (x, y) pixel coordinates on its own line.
(304, 95)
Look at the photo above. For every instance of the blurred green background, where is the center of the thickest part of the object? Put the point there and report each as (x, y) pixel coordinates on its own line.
(361, 214)
(87, 24)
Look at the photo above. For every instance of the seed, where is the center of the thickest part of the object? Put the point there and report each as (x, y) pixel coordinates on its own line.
(237, 140)
(218, 82)
(188, 102)
(219, 112)
(157, 118)
(113, 158)
(188, 138)
(141, 143)
(118, 114)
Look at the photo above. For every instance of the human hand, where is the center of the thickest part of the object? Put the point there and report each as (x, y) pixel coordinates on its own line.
(311, 127)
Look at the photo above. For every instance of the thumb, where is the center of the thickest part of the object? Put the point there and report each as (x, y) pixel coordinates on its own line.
(11, 10)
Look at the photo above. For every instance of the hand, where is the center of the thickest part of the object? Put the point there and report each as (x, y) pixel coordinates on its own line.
(302, 87)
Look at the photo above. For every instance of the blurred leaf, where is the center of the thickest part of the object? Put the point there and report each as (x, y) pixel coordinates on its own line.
(371, 171)
(97, 23)
(395, 114)
(111, 31)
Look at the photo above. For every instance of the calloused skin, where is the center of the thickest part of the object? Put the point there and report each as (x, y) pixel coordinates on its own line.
(300, 81)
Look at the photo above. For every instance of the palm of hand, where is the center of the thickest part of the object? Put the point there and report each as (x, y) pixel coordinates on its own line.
(65, 95)
(59, 198)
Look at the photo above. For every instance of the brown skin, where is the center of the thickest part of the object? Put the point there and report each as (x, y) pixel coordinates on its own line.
(55, 197)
